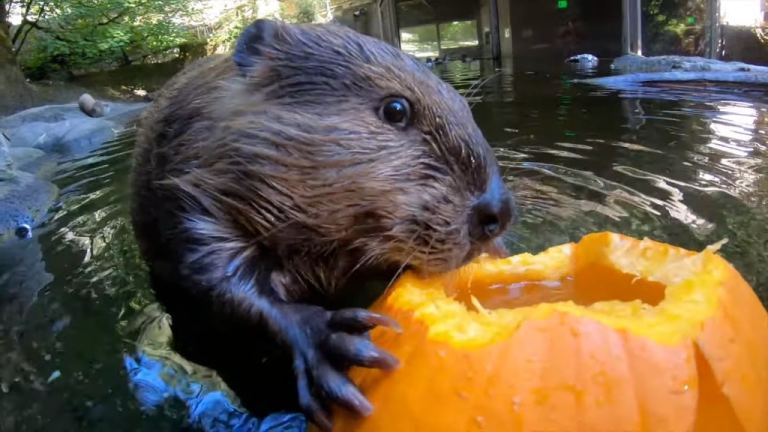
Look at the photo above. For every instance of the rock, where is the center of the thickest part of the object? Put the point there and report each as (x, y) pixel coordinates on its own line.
(587, 60)
(636, 80)
(92, 107)
(64, 130)
(63, 112)
(16, 92)
(34, 161)
(83, 136)
(633, 63)
(24, 200)
(634, 70)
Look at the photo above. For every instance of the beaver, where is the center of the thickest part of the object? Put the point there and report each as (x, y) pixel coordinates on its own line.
(268, 182)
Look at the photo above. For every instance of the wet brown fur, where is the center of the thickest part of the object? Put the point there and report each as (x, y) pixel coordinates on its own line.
(283, 174)
(295, 159)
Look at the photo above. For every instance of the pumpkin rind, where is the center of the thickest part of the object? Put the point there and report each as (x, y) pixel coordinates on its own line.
(696, 360)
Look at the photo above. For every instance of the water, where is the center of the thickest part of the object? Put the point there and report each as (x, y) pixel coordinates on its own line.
(83, 346)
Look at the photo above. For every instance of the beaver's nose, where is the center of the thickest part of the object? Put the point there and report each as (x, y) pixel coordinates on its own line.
(492, 212)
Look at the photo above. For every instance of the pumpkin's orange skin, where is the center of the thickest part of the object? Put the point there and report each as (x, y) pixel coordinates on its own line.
(561, 371)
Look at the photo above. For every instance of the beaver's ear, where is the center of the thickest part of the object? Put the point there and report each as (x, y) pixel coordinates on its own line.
(255, 41)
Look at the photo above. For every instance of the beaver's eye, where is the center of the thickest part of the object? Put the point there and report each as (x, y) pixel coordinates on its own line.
(396, 111)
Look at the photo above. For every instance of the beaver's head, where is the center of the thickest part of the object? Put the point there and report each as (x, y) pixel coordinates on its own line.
(342, 142)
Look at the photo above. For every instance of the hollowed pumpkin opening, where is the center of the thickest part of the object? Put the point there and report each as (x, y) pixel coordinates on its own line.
(591, 284)
(660, 292)
(609, 333)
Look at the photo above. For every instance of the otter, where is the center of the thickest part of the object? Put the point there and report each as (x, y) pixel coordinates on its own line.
(92, 107)
(267, 183)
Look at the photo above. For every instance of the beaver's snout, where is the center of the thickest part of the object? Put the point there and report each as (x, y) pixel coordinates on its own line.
(492, 212)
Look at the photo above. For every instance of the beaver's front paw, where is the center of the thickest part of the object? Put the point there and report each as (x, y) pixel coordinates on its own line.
(329, 343)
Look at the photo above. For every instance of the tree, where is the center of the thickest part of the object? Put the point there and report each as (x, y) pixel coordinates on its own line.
(30, 12)
(72, 34)
(304, 11)
(456, 34)
(230, 24)
(13, 86)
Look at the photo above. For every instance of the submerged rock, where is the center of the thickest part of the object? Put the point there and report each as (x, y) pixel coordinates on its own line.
(34, 161)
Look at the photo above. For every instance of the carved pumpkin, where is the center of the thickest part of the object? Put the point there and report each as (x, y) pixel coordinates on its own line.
(609, 334)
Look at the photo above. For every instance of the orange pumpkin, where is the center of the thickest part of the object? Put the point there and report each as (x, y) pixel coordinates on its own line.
(608, 334)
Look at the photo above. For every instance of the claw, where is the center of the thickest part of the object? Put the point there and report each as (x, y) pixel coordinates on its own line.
(361, 320)
(340, 389)
(359, 351)
(329, 342)
(308, 403)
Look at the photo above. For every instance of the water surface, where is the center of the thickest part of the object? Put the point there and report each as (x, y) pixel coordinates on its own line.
(84, 347)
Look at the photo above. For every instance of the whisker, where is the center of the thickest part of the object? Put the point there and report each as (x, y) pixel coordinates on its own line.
(513, 238)
(480, 86)
(397, 274)
(366, 259)
(479, 83)
(405, 262)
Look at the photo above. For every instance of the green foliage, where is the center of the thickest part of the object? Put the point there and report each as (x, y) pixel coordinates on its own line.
(230, 25)
(79, 34)
(301, 11)
(667, 29)
(234, 20)
(421, 41)
(419, 34)
(458, 33)
(75, 35)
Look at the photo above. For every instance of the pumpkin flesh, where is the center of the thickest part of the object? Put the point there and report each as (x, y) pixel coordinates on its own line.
(607, 334)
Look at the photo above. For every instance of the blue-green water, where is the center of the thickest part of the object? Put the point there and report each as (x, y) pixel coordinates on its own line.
(83, 347)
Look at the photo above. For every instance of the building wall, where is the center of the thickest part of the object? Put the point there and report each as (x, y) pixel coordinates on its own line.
(544, 34)
(537, 32)
(362, 16)
(743, 44)
(371, 17)
(413, 13)
(505, 28)
(484, 28)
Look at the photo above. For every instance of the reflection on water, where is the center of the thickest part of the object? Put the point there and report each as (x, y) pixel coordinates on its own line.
(84, 347)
